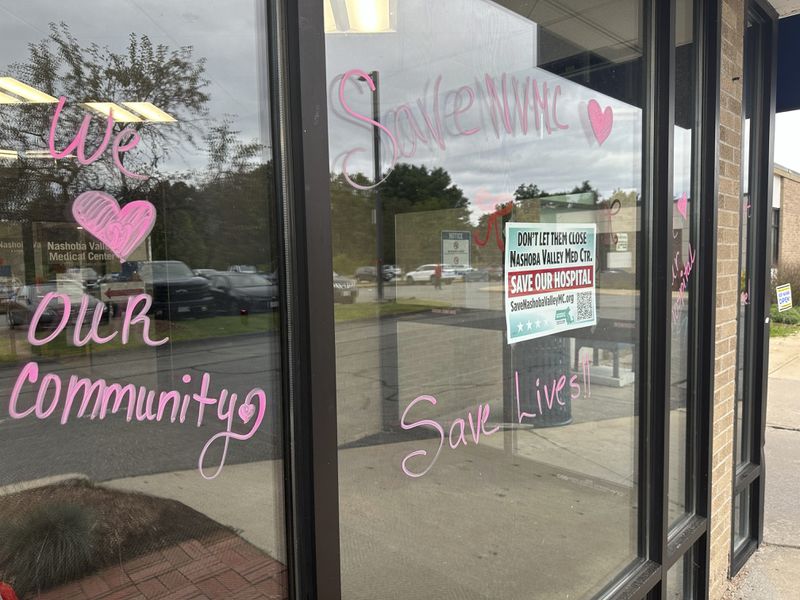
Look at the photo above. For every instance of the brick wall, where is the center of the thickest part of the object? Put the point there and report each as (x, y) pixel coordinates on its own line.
(727, 292)
(789, 241)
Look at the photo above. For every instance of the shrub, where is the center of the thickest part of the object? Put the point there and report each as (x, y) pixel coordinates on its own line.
(50, 546)
(789, 317)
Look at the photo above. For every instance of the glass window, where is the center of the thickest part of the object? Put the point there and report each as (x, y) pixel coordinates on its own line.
(747, 260)
(486, 393)
(682, 577)
(741, 519)
(140, 424)
(776, 236)
(682, 261)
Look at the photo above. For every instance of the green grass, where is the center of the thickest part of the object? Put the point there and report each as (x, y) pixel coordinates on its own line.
(177, 331)
(371, 310)
(777, 330)
(784, 324)
(15, 347)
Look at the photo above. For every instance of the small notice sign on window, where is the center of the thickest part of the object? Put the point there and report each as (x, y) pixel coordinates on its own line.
(550, 278)
(784, 293)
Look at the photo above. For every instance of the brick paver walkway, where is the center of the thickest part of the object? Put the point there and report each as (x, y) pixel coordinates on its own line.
(223, 566)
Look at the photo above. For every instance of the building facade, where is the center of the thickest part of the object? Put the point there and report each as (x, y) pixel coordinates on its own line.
(371, 299)
(785, 201)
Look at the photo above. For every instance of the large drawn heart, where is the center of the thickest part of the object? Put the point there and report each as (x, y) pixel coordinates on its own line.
(120, 229)
(601, 120)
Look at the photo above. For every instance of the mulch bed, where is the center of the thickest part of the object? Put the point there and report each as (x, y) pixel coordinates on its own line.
(126, 527)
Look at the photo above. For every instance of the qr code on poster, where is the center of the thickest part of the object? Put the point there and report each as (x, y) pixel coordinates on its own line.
(585, 306)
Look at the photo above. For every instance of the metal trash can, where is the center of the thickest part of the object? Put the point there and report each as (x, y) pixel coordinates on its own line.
(547, 359)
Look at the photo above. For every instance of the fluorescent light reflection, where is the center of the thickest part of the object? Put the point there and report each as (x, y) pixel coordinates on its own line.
(150, 112)
(330, 20)
(6, 99)
(368, 16)
(26, 92)
(43, 154)
(120, 114)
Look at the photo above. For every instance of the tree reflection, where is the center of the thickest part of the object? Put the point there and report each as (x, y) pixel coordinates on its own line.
(37, 188)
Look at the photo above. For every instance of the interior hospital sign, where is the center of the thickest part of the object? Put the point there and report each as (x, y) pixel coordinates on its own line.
(61, 396)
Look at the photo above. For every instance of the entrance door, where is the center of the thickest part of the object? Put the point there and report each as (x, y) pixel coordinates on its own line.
(754, 271)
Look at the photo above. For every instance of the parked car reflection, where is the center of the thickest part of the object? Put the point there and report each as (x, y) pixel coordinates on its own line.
(8, 288)
(237, 293)
(175, 290)
(427, 274)
(344, 289)
(474, 274)
(207, 273)
(24, 304)
(86, 276)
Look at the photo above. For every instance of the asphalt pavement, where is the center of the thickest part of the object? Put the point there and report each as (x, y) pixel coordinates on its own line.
(113, 448)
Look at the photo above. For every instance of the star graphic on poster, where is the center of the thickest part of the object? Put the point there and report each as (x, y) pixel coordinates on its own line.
(529, 325)
(519, 327)
(538, 323)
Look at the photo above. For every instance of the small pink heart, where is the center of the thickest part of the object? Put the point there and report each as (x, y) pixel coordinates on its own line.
(681, 205)
(602, 120)
(246, 412)
(120, 229)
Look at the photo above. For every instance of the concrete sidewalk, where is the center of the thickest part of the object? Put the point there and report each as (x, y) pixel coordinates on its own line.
(773, 572)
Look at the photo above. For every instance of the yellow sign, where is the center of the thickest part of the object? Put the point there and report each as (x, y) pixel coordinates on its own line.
(784, 293)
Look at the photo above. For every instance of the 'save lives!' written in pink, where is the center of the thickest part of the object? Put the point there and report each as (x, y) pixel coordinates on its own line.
(547, 395)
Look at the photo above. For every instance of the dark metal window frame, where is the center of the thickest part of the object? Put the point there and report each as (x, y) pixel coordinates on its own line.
(300, 144)
(748, 477)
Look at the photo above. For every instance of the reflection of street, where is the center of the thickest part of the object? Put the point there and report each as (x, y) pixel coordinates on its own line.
(112, 448)
(575, 483)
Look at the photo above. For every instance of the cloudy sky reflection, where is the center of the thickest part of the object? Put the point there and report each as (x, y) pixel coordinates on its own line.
(463, 43)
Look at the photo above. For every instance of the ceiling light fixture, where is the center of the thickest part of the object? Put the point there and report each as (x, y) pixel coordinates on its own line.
(26, 92)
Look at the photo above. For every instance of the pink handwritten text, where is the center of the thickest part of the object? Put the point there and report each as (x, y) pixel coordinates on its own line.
(681, 273)
(547, 396)
(78, 144)
(512, 106)
(97, 398)
(135, 313)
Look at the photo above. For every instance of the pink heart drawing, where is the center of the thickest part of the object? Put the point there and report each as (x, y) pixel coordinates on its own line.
(120, 229)
(681, 205)
(246, 412)
(602, 120)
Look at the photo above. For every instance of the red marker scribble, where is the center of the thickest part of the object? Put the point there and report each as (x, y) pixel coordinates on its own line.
(492, 223)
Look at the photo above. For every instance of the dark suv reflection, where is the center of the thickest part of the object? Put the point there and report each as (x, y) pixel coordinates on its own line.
(235, 293)
(175, 290)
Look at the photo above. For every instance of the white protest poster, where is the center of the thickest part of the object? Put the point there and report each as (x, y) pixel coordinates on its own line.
(550, 278)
